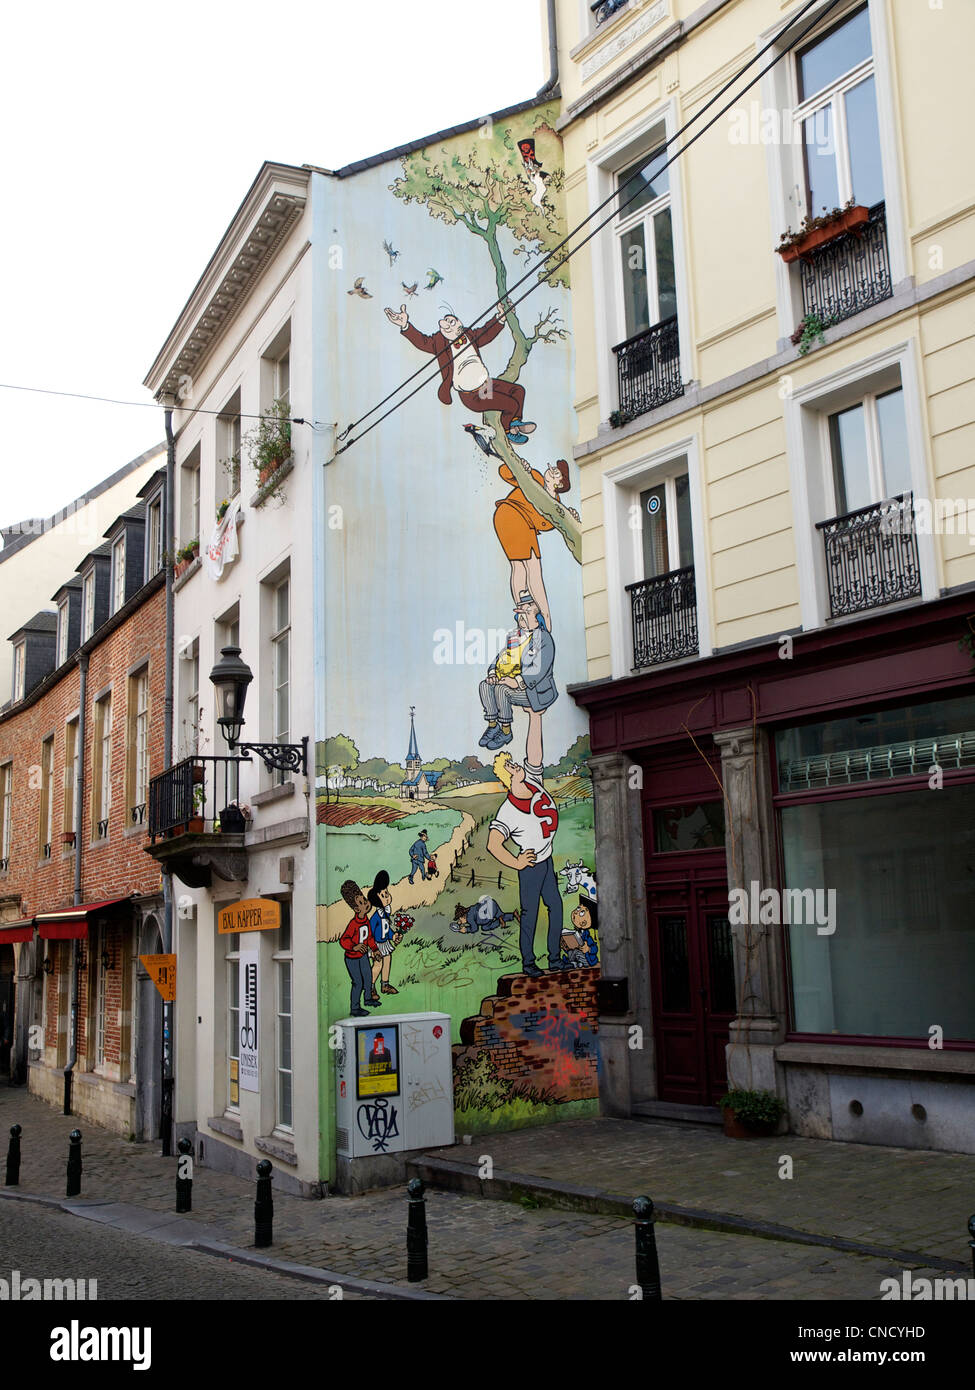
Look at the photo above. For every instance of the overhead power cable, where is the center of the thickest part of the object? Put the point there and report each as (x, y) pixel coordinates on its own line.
(144, 405)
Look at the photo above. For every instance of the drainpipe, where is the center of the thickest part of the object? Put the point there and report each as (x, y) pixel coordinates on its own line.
(79, 801)
(553, 54)
(168, 1083)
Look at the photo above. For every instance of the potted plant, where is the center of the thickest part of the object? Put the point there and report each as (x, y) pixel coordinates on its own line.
(222, 508)
(811, 328)
(815, 231)
(196, 823)
(234, 818)
(185, 556)
(269, 442)
(749, 1114)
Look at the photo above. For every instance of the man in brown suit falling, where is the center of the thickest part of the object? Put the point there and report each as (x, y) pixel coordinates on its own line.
(456, 349)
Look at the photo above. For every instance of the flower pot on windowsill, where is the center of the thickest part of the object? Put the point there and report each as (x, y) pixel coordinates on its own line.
(269, 470)
(850, 220)
(196, 825)
(198, 774)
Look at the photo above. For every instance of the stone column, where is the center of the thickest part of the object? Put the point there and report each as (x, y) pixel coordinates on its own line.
(627, 1073)
(749, 847)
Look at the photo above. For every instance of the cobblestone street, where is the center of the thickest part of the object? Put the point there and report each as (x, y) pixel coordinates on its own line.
(479, 1249)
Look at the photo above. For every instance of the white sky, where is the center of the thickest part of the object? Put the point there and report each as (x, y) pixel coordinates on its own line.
(132, 132)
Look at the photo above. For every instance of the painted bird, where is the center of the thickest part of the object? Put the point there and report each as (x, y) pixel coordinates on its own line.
(409, 289)
(434, 278)
(482, 437)
(390, 252)
(359, 288)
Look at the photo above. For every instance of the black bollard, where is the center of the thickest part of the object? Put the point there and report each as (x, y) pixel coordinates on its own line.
(416, 1233)
(263, 1206)
(13, 1157)
(184, 1176)
(647, 1265)
(971, 1232)
(74, 1164)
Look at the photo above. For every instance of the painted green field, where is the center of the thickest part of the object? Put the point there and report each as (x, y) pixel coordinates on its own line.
(358, 851)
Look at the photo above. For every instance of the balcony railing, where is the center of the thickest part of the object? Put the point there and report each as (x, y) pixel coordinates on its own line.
(848, 274)
(605, 9)
(190, 796)
(648, 368)
(664, 615)
(871, 556)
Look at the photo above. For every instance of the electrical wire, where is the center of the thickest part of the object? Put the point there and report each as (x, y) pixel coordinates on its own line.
(145, 405)
(617, 192)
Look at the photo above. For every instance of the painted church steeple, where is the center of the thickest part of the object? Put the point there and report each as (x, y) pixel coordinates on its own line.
(413, 759)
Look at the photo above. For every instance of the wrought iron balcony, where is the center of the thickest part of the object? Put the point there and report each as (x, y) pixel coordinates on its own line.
(605, 9)
(871, 556)
(664, 616)
(194, 829)
(848, 274)
(648, 369)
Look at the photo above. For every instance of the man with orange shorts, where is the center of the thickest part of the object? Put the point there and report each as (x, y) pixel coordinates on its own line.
(518, 523)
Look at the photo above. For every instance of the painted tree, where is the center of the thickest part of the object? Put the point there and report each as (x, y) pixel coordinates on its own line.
(335, 756)
(483, 191)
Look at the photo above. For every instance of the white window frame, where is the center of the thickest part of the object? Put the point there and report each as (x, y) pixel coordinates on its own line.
(621, 488)
(62, 649)
(230, 437)
(232, 959)
(6, 810)
(118, 573)
(875, 468)
(20, 670)
(139, 734)
(602, 170)
(46, 826)
(103, 779)
(807, 411)
(154, 536)
(284, 961)
(88, 605)
(625, 223)
(72, 755)
(784, 158)
(280, 638)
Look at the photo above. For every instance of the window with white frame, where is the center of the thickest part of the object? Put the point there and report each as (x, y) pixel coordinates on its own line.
(227, 634)
(190, 682)
(283, 964)
(20, 670)
(71, 756)
(62, 651)
(45, 829)
(282, 375)
(228, 445)
(6, 814)
(118, 573)
(88, 605)
(138, 744)
(232, 958)
(868, 451)
(665, 526)
(189, 498)
(836, 117)
(281, 665)
(154, 536)
(102, 779)
(645, 244)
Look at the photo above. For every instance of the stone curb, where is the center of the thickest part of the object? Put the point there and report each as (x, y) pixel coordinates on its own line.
(451, 1176)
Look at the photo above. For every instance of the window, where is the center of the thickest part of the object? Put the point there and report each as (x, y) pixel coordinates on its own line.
(62, 651)
(88, 605)
(137, 741)
(6, 814)
(665, 514)
(868, 451)
(281, 666)
(189, 498)
(233, 1021)
(285, 1035)
(154, 536)
(118, 574)
(837, 117)
(190, 681)
(20, 651)
(227, 634)
(228, 446)
(645, 246)
(276, 369)
(101, 994)
(102, 772)
(47, 797)
(71, 754)
(282, 387)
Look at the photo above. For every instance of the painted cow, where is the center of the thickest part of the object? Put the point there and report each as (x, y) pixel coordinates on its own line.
(579, 879)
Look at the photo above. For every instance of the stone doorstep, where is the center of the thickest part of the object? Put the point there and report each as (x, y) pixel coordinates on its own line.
(452, 1176)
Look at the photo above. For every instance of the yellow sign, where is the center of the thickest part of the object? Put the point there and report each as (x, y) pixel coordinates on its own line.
(234, 1081)
(253, 914)
(162, 971)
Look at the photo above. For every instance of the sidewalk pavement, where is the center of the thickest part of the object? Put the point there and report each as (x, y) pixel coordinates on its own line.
(714, 1249)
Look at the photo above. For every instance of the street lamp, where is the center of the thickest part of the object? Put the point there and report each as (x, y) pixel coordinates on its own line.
(230, 677)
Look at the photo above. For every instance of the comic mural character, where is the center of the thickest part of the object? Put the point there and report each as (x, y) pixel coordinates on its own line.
(579, 947)
(529, 817)
(355, 942)
(483, 916)
(536, 174)
(518, 524)
(457, 350)
(385, 938)
(419, 855)
(520, 675)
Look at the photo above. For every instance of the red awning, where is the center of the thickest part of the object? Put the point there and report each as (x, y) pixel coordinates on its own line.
(17, 931)
(71, 923)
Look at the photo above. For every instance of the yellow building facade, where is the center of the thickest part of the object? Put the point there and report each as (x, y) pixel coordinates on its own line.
(775, 390)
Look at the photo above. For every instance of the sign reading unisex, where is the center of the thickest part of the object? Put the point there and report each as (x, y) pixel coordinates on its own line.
(252, 914)
(249, 1008)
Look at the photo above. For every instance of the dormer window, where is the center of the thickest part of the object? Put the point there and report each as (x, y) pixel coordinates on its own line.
(62, 648)
(88, 605)
(20, 667)
(118, 574)
(154, 536)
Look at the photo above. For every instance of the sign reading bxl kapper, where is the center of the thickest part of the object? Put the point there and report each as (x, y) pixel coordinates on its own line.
(252, 914)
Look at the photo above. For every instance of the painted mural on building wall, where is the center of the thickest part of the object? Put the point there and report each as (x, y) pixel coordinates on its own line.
(454, 802)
